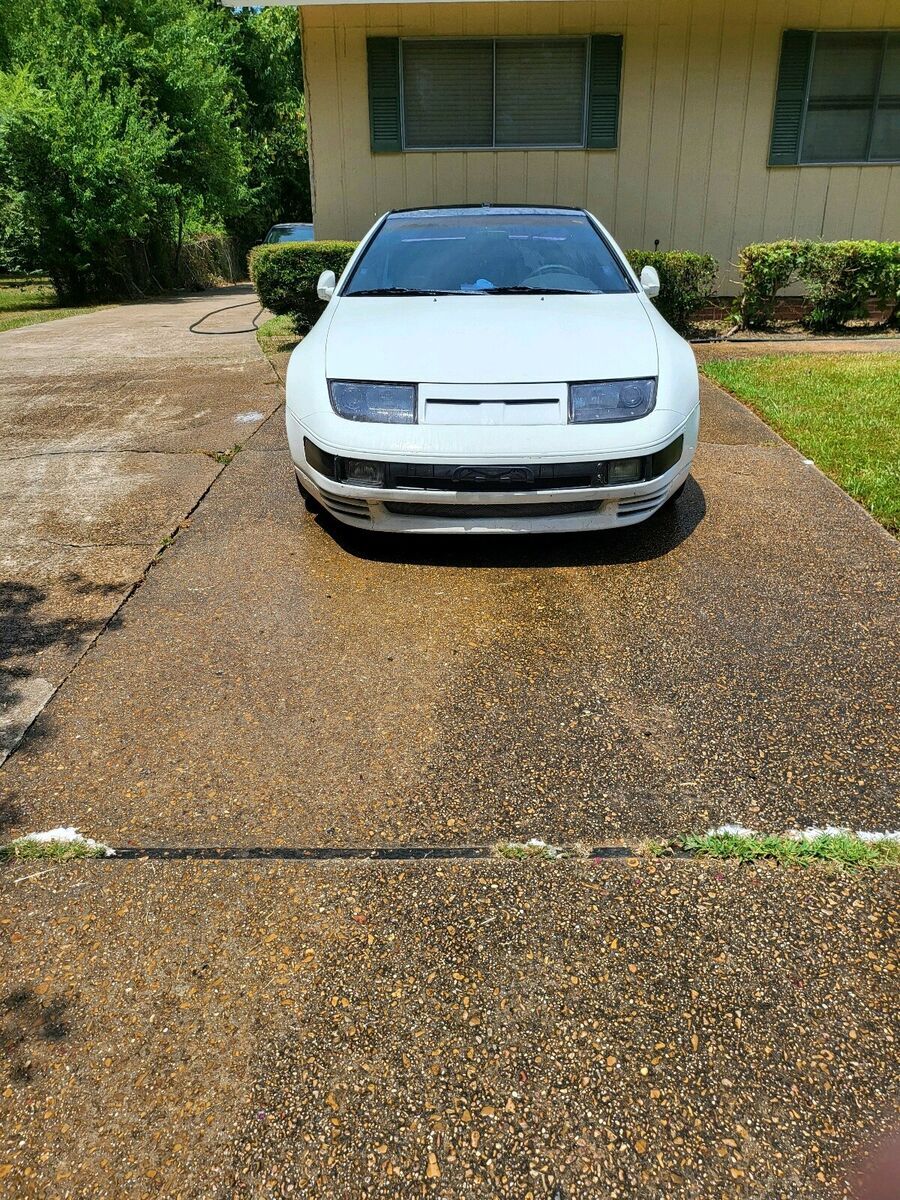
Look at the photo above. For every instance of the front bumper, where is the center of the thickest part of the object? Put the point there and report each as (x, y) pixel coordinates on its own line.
(427, 510)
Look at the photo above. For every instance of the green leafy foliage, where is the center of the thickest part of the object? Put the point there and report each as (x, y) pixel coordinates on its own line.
(840, 279)
(765, 268)
(285, 276)
(272, 118)
(686, 282)
(131, 130)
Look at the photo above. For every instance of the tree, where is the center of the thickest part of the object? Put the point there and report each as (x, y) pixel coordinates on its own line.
(125, 124)
(268, 64)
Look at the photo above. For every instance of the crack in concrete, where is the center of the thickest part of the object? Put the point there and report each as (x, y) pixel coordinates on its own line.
(102, 450)
(767, 445)
(80, 545)
(371, 853)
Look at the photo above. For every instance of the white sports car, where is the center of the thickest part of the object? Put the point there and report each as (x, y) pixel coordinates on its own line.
(491, 369)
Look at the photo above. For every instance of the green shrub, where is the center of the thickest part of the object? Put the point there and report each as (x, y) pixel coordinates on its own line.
(765, 268)
(686, 281)
(285, 277)
(840, 279)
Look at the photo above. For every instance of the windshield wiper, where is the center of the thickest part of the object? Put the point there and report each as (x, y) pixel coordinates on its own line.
(521, 290)
(399, 291)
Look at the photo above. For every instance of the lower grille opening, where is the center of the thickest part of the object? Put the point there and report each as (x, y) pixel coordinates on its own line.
(543, 477)
(346, 506)
(640, 504)
(452, 512)
(516, 477)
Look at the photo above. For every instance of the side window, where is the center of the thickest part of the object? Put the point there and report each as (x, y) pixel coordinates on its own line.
(494, 93)
(838, 98)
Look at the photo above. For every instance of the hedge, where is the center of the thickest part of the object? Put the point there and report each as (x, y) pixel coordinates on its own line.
(285, 277)
(686, 282)
(840, 279)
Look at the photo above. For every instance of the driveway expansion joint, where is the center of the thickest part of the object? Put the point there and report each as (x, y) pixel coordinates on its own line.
(376, 853)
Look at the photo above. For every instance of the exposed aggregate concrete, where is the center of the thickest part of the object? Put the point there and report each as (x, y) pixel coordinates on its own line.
(460, 1029)
(731, 660)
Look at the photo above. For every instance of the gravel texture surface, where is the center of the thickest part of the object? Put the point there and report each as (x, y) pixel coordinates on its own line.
(278, 679)
(459, 1029)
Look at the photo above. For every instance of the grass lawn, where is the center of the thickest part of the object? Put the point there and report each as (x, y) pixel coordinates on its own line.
(17, 320)
(277, 334)
(21, 294)
(30, 301)
(840, 410)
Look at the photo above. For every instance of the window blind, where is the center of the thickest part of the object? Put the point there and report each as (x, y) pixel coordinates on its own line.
(838, 98)
(842, 90)
(448, 93)
(885, 142)
(540, 93)
(494, 93)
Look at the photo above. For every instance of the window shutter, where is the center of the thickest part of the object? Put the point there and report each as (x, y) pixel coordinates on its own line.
(384, 93)
(790, 96)
(603, 92)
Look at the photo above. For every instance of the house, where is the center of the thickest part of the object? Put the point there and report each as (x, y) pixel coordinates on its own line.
(697, 124)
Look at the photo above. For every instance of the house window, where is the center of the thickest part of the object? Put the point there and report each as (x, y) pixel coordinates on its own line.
(494, 93)
(838, 98)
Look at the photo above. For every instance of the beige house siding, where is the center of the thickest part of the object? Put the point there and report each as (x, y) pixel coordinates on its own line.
(698, 87)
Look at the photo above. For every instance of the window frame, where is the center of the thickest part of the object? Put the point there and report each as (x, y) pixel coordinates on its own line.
(885, 34)
(494, 147)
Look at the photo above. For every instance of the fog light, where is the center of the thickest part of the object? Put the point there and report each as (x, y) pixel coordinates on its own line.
(364, 472)
(625, 470)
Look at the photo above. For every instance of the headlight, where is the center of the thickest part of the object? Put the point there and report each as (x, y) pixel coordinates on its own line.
(613, 400)
(389, 403)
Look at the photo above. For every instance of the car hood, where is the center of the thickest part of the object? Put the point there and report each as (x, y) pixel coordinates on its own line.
(490, 339)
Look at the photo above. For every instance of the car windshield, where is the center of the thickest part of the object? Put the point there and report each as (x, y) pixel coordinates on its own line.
(289, 233)
(487, 250)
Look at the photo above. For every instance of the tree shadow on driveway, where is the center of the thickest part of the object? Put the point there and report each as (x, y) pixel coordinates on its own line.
(27, 630)
(651, 539)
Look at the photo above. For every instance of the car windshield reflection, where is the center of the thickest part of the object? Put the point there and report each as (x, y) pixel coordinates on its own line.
(487, 252)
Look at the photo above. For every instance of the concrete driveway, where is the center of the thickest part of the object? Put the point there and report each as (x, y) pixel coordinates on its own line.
(109, 429)
(449, 1027)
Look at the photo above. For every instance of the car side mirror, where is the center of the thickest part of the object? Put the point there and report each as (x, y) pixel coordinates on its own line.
(327, 283)
(650, 282)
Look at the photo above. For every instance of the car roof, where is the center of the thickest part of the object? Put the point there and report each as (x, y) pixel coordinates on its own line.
(503, 210)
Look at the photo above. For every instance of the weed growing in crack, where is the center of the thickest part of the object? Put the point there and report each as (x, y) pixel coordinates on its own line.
(533, 848)
(842, 848)
(224, 457)
(56, 845)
